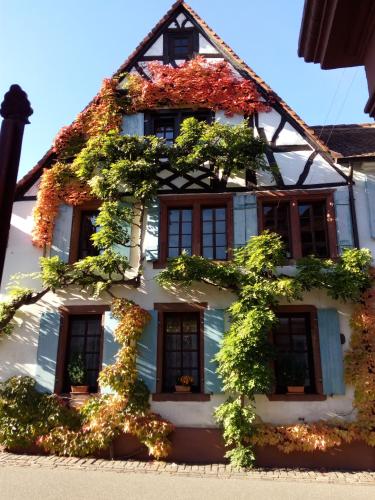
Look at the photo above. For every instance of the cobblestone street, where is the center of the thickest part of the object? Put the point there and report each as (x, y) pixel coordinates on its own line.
(29, 476)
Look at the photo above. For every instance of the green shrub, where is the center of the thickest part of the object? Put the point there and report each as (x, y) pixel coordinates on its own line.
(26, 414)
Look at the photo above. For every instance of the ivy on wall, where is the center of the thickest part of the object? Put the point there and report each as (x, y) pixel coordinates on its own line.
(245, 353)
(95, 161)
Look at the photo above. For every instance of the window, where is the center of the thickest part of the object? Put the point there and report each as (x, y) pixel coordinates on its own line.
(166, 124)
(305, 221)
(86, 247)
(81, 333)
(83, 227)
(180, 44)
(297, 352)
(214, 233)
(181, 349)
(195, 225)
(180, 223)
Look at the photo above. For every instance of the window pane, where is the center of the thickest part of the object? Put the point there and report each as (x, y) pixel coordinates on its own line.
(179, 232)
(87, 229)
(181, 349)
(207, 214)
(85, 338)
(214, 228)
(221, 239)
(276, 218)
(173, 342)
(314, 232)
(208, 240)
(221, 253)
(294, 363)
(208, 252)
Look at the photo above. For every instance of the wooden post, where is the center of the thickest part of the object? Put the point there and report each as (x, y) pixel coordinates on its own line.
(15, 109)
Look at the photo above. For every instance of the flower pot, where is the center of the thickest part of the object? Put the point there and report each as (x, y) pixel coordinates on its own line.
(80, 389)
(182, 388)
(296, 389)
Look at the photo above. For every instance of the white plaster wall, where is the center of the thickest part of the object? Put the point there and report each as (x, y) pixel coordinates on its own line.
(269, 122)
(21, 256)
(235, 119)
(18, 352)
(291, 164)
(361, 204)
(156, 48)
(289, 135)
(205, 47)
(321, 172)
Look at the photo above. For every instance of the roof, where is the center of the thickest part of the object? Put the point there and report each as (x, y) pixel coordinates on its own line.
(348, 141)
(239, 63)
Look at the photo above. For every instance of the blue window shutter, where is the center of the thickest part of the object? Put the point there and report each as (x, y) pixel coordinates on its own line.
(214, 326)
(49, 330)
(110, 345)
(370, 194)
(245, 218)
(62, 232)
(151, 240)
(124, 250)
(133, 124)
(147, 349)
(343, 220)
(331, 352)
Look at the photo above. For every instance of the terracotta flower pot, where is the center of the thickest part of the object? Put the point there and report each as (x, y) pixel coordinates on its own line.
(80, 389)
(296, 389)
(182, 388)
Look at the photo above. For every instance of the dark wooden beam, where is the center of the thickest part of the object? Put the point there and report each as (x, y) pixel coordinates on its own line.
(15, 109)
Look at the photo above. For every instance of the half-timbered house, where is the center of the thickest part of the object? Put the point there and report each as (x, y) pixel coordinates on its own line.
(310, 203)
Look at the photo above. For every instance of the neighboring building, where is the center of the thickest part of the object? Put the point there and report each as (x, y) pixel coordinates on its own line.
(340, 34)
(309, 205)
(353, 147)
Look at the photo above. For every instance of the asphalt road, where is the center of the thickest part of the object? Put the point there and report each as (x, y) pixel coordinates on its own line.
(19, 483)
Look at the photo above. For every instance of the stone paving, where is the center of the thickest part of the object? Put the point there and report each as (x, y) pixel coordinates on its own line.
(213, 470)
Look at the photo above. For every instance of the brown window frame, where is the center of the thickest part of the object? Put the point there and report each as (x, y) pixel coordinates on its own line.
(294, 199)
(318, 395)
(178, 307)
(196, 202)
(76, 227)
(66, 312)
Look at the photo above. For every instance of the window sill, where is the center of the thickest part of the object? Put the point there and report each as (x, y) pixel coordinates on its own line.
(296, 397)
(181, 396)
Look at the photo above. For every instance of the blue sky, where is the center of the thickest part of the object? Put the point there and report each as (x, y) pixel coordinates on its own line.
(59, 52)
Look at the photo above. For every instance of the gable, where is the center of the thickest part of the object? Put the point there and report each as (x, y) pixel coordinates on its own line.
(302, 158)
(290, 142)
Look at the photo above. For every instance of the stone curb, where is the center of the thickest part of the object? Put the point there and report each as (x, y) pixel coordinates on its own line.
(220, 471)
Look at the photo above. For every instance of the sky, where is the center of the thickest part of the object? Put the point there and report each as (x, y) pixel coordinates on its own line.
(59, 52)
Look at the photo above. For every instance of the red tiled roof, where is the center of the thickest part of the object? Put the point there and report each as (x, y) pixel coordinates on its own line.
(348, 141)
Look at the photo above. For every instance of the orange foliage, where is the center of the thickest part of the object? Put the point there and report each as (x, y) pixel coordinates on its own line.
(51, 194)
(100, 116)
(360, 360)
(196, 84)
(306, 437)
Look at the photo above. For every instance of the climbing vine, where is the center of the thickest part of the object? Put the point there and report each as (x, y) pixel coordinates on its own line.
(245, 353)
(126, 410)
(94, 161)
(196, 84)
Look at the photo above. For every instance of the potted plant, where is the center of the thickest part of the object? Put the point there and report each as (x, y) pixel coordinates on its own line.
(77, 374)
(184, 383)
(292, 374)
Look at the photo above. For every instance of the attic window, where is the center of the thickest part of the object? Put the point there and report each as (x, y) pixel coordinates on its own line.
(181, 45)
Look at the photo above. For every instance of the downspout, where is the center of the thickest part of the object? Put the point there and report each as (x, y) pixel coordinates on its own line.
(353, 212)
